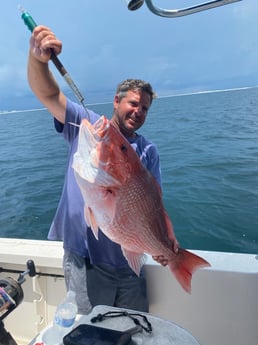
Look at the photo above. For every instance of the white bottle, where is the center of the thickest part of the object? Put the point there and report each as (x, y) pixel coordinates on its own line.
(65, 315)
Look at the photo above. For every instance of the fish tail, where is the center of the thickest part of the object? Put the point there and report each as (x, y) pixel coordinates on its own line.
(185, 264)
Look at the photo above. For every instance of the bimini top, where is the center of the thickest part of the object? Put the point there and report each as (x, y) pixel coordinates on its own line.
(135, 4)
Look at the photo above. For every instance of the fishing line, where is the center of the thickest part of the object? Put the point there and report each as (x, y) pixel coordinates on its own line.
(74, 124)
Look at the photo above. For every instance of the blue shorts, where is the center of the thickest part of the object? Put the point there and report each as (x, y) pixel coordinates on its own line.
(104, 285)
(117, 287)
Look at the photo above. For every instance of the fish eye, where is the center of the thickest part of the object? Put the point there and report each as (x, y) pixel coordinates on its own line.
(123, 148)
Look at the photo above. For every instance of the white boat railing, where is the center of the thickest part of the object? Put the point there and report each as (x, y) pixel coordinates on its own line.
(170, 13)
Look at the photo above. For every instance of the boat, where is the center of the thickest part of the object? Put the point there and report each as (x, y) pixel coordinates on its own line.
(221, 309)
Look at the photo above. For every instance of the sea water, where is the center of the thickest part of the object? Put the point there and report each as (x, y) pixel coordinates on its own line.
(208, 145)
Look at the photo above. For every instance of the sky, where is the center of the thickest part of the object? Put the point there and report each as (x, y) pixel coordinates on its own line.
(105, 43)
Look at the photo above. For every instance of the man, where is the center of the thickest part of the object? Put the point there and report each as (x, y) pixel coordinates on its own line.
(109, 279)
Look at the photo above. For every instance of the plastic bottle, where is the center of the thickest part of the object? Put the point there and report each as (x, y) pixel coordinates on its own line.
(65, 315)
(63, 321)
(66, 311)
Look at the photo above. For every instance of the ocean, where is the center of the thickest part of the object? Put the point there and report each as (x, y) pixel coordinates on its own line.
(208, 145)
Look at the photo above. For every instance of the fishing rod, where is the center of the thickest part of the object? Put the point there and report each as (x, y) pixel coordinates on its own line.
(30, 23)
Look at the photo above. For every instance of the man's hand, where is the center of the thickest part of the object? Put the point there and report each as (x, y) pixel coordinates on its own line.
(42, 41)
(160, 259)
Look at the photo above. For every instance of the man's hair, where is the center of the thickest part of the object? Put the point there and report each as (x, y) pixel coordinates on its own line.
(134, 85)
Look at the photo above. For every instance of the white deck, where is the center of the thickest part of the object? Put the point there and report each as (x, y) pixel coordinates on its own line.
(222, 308)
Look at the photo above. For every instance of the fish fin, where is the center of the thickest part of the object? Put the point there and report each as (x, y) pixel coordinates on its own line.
(91, 221)
(135, 260)
(185, 264)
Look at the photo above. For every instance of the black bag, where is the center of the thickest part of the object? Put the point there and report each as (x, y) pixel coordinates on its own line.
(93, 335)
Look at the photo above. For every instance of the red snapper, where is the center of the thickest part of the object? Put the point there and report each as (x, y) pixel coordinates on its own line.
(124, 200)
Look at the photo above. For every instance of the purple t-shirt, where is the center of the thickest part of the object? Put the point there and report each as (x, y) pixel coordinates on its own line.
(69, 224)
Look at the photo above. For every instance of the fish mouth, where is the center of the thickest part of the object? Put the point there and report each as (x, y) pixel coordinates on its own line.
(98, 159)
(96, 132)
(100, 128)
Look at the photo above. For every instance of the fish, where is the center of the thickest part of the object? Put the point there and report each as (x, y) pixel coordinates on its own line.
(124, 200)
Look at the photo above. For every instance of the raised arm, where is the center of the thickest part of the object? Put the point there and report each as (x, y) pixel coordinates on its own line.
(40, 78)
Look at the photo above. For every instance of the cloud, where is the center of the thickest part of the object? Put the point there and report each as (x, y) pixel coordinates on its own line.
(13, 80)
(104, 43)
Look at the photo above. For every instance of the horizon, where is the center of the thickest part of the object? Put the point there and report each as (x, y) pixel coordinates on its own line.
(2, 112)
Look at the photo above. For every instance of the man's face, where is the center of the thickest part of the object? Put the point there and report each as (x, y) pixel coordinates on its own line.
(130, 112)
